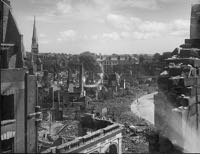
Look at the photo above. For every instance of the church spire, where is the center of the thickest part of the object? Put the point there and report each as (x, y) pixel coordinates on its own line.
(34, 46)
(34, 38)
(35, 60)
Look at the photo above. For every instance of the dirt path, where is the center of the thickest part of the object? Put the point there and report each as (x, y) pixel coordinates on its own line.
(144, 107)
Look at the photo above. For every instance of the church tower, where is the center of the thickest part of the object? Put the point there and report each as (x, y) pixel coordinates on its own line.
(35, 60)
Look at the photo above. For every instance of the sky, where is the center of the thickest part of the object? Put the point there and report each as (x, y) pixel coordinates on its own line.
(104, 26)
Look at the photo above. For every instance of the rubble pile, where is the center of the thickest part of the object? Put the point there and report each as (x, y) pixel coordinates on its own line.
(135, 133)
(136, 129)
(117, 109)
(51, 132)
(69, 131)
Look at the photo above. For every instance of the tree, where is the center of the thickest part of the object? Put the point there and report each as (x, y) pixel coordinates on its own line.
(141, 59)
(89, 62)
(73, 62)
(156, 57)
(87, 59)
(118, 69)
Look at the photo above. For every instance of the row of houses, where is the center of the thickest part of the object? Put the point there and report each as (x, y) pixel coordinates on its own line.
(108, 62)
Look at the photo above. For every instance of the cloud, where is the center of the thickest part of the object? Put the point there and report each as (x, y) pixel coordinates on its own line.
(131, 23)
(129, 4)
(43, 41)
(152, 26)
(63, 8)
(125, 34)
(133, 28)
(52, 11)
(58, 11)
(67, 35)
(42, 35)
(144, 4)
(180, 27)
(106, 36)
(180, 24)
(112, 36)
(95, 37)
(120, 21)
(137, 35)
(136, 28)
(87, 9)
(115, 36)
(144, 35)
(169, 1)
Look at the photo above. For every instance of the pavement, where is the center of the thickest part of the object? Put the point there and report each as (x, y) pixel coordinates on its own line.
(144, 107)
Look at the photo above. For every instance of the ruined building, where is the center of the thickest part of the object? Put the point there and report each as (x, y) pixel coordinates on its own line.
(94, 136)
(177, 102)
(74, 130)
(19, 111)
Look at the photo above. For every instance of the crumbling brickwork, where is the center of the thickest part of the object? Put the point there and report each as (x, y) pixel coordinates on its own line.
(177, 102)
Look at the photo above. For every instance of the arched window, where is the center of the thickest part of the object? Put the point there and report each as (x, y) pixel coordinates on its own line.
(112, 149)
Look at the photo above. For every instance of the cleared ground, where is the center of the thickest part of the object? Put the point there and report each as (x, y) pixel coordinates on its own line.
(144, 107)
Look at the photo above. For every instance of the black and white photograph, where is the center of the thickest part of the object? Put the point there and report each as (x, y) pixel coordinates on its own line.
(100, 76)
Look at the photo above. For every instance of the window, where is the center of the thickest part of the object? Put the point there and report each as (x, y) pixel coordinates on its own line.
(7, 146)
(7, 107)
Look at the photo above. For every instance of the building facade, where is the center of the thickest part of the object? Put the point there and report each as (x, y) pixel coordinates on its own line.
(113, 63)
(19, 110)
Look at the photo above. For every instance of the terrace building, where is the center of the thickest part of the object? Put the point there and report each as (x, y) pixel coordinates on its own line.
(110, 63)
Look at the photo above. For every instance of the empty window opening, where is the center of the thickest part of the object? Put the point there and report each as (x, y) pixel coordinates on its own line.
(7, 146)
(7, 107)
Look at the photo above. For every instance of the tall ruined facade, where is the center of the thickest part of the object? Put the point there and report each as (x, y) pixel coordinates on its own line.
(177, 105)
(18, 101)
